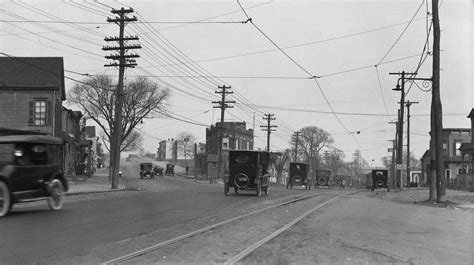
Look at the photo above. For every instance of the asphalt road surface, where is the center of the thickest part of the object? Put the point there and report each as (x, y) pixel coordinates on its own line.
(361, 228)
(89, 225)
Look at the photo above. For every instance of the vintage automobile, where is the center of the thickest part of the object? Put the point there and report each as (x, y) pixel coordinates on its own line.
(340, 181)
(146, 170)
(248, 171)
(323, 178)
(299, 176)
(31, 170)
(169, 170)
(380, 179)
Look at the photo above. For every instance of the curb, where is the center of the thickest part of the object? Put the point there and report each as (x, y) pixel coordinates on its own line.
(93, 191)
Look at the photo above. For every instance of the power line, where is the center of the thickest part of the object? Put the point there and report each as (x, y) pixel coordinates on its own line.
(403, 32)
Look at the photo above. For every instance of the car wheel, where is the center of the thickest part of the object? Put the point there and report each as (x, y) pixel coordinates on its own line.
(259, 189)
(5, 199)
(226, 189)
(56, 199)
(236, 190)
(267, 190)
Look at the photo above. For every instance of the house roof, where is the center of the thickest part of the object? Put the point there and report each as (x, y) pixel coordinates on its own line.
(32, 73)
(471, 114)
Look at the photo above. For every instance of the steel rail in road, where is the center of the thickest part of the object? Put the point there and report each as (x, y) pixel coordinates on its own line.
(200, 231)
(258, 244)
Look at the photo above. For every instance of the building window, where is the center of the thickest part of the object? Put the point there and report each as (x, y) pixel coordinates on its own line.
(40, 112)
(457, 145)
(445, 148)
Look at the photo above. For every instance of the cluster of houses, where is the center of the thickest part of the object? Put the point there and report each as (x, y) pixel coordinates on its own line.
(32, 93)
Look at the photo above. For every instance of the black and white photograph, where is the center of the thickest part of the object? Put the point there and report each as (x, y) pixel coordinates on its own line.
(236, 132)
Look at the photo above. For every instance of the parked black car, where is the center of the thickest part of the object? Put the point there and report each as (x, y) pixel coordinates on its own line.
(146, 170)
(380, 179)
(169, 170)
(248, 171)
(31, 170)
(299, 175)
(323, 178)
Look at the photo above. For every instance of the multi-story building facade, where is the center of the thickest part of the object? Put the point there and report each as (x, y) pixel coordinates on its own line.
(453, 139)
(31, 93)
(235, 137)
(467, 149)
(167, 150)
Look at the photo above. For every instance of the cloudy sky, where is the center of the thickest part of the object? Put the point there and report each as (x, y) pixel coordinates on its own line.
(192, 47)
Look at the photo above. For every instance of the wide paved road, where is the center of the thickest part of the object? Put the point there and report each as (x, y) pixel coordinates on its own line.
(96, 227)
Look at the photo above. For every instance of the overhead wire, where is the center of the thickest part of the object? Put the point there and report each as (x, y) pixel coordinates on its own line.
(402, 33)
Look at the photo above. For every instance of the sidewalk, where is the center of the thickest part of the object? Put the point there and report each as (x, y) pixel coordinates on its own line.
(99, 182)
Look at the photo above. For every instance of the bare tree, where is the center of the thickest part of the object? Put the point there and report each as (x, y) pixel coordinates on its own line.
(184, 143)
(336, 161)
(312, 139)
(143, 99)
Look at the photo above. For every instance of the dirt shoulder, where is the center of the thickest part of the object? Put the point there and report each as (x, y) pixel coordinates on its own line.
(375, 228)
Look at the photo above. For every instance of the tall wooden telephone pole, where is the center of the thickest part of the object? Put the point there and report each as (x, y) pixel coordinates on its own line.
(409, 103)
(223, 104)
(436, 108)
(296, 145)
(121, 60)
(268, 128)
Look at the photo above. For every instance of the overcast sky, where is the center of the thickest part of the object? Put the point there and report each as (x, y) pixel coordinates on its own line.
(351, 46)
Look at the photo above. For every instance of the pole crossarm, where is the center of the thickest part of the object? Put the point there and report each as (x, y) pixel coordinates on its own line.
(268, 128)
(223, 104)
(121, 60)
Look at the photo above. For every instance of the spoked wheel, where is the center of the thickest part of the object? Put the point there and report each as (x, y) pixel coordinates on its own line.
(226, 189)
(55, 202)
(236, 190)
(259, 189)
(5, 199)
(267, 190)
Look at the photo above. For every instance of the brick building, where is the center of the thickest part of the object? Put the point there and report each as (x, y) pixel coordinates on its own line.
(453, 139)
(235, 137)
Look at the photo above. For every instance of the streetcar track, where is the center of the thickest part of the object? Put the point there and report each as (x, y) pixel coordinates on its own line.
(202, 230)
(258, 244)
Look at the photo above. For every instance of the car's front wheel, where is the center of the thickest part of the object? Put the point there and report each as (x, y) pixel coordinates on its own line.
(56, 199)
(5, 199)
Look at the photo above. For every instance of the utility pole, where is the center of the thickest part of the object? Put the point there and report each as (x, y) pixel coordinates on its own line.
(437, 107)
(296, 145)
(400, 124)
(393, 149)
(409, 103)
(268, 128)
(121, 60)
(326, 157)
(223, 104)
